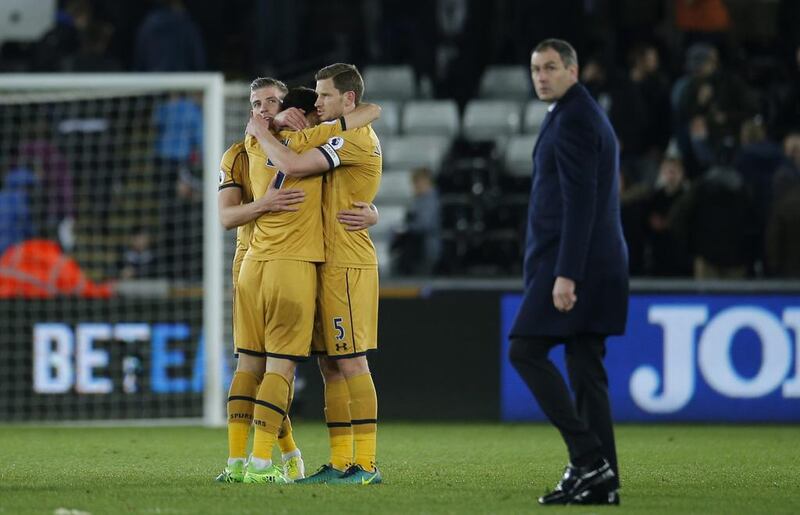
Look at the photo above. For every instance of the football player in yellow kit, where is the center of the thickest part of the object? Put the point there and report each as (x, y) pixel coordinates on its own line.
(277, 285)
(238, 208)
(348, 281)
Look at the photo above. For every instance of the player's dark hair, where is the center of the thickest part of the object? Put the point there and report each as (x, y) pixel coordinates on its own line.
(301, 98)
(345, 78)
(268, 82)
(568, 54)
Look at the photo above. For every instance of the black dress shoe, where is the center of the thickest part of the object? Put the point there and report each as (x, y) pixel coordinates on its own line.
(560, 494)
(596, 496)
(597, 477)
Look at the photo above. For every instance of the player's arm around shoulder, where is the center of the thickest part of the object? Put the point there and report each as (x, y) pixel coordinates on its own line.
(363, 115)
(284, 158)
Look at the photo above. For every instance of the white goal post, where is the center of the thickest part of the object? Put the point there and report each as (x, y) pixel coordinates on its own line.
(21, 99)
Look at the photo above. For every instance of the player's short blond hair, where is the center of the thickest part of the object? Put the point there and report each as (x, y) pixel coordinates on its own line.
(268, 82)
(345, 78)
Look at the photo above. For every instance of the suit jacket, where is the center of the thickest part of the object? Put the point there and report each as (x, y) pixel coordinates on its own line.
(574, 228)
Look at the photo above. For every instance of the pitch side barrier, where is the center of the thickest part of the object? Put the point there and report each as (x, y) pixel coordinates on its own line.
(717, 351)
(693, 351)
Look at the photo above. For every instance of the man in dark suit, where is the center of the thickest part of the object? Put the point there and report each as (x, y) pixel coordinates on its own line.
(576, 275)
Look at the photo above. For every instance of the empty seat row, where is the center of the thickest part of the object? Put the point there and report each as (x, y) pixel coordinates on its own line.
(409, 152)
(483, 119)
(398, 82)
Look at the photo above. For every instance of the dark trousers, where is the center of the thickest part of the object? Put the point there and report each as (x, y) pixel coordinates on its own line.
(585, 422)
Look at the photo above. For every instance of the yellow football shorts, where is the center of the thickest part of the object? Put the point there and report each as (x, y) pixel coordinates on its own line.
(275, 303)
(238, 257)
(346, 325)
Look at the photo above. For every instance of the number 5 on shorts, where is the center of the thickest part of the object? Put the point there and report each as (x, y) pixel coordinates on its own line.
(337, 324)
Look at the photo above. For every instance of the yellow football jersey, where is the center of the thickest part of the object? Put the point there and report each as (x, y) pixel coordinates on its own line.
(234, 172)
(356, 157)
(293, 235)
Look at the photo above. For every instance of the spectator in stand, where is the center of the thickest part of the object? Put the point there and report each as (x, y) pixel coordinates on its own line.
(788, 174)
(178, 147)
(710, 106)
(137, 260)
(169, 41)
(717, 222)
(783, 228)
(418, 243)
(16, 223)
(757, 160)
(93, 55)
(623, 104)
(64, 39)
(783, 101)
(653, 86)
(53, 204)
(664, 254)
(460, 49)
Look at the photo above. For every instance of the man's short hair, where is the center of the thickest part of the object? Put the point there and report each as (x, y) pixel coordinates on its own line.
(345, 78)
(302, 98)
(421, 173)
(568, 54)
(268, 82)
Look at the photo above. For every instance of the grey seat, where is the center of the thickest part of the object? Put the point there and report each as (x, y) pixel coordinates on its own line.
(389, 122)
(391, 82)
(431, 117)
(389, 219)
(396, 188)
(491, 119)
(506, 82)
(518, 155)
(535, 111)
(415, 151)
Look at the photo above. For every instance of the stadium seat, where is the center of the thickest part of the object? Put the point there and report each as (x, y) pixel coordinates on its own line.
(519, 151)
(507, 210)
(457, 212)
(491, 120)
(396, 188)
(389, 122)
(469, 168)
(506, 82)
(431, 117)
(393, 82)
(390, 218)
(415, 151)
(535, 111)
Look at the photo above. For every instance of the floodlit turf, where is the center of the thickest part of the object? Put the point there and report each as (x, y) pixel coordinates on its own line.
(427, 468)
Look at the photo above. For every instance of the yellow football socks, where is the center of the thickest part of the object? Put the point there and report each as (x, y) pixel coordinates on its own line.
(364, 413)
(285, 438)
(272, 403)
(337, 415)
(241, 397)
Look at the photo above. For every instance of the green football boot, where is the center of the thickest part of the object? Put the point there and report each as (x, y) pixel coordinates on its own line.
(325, 474)
(294, 469)
(356, 475)
(271, 474)
(232, 473)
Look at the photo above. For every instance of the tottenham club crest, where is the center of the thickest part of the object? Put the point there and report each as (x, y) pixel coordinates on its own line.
(336, 142)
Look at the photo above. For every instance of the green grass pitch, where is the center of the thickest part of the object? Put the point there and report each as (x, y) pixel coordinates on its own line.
(427, 468)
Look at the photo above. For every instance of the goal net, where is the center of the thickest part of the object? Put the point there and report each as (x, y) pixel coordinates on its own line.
(111, 254)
